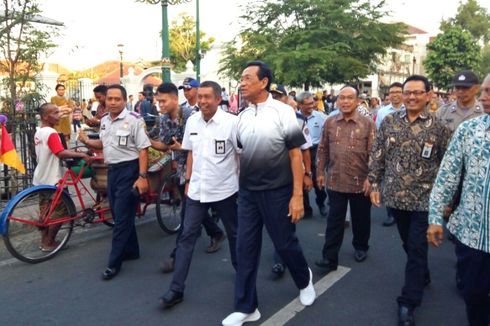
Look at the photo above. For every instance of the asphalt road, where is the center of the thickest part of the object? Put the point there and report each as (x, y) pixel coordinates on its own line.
(67, 290)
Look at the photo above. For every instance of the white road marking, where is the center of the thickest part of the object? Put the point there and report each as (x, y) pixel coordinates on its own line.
(294, 307)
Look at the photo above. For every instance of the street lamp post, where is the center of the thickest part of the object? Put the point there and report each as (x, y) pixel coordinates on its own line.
(165, 34)
(414, 61)
(198, 45)
(121, 68)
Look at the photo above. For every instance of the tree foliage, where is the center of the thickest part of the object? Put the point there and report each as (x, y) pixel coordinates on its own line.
(310, 42)
(450, 52)
(22, 43)
(484, 68)
(182, 36)
(470, 17)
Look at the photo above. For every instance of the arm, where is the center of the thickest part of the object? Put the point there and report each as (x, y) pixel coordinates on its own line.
(158, 145)
(377, 163)
(322, 157)
(372, 135)
(188, 172)
(445, 186)
(307, 182)
(142, 182)
(91, 143)
(296, 209)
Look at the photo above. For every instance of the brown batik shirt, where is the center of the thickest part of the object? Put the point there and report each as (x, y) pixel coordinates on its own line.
(406, 157)
(344, 152)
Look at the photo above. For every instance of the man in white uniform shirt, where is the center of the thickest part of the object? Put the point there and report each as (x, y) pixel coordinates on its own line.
(211, 181)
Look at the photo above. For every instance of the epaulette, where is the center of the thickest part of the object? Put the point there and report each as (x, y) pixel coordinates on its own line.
(135, 114)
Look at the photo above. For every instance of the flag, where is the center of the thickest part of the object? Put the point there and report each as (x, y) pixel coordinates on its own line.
(8, 154)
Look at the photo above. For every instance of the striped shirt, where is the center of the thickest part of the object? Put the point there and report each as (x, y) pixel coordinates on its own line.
(468, 154)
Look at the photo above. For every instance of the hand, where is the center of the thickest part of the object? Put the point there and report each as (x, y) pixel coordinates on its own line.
(186, 188)
(320, 181)
(88, 159)
(176, 146)
(82, 136)
(435, 235)
(141, 184)
(307, 183)
(296, 209)
(366, 188)
(375, 198)
(447, 212)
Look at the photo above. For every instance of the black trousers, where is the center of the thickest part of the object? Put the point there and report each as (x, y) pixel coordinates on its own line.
(256, 209)
(474, 270)
(210, 226)
(320, 193)
(412, 227)
(123, 203)
(196, 212)
(360, 207)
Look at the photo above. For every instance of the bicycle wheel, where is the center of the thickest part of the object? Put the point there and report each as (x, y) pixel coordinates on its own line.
(105, 203)
(168, 207)
(24, 232)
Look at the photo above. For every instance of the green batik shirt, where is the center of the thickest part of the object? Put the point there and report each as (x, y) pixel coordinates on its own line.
(468, 155)
(405, 158)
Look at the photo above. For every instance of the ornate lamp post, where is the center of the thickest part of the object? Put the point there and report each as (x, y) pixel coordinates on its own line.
(165, 35)
(121, 68)
(414, 61)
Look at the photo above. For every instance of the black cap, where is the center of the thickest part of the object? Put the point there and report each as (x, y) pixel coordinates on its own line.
(465, 78)
(278, 89)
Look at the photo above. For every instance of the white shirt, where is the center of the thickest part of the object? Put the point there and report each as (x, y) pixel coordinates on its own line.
(48, 170)
(214, 156)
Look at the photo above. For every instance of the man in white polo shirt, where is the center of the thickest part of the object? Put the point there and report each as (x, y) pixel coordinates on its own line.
(210, 138)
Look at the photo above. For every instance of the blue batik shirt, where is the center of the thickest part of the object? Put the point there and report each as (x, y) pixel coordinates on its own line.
(468, 155)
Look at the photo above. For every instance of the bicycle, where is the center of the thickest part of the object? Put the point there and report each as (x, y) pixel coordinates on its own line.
(42, 209)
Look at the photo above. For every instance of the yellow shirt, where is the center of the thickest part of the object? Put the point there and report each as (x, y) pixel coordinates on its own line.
(64, 125)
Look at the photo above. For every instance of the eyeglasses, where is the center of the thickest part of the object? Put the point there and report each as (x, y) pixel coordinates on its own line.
(416, 93)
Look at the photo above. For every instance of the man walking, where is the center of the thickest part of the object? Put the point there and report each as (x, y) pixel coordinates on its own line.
(211, 181)
(125, 144)
(271, 192)
(344, 152)
(468, 158)
(315, 121)
(406, 154)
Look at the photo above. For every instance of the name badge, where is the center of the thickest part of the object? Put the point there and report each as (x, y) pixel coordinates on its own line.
(122, 138)
(427, 150)
(219, 146)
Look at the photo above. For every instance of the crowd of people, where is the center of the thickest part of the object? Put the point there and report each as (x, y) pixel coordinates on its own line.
(428, 166)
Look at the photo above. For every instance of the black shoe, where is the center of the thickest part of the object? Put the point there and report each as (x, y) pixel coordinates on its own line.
(323, 211)
(110, 273)
(405, 316)
(171, 298)
(327, 265)
(215, 244)
(360, 255)
(167, 266)
(389, 221)
(278, 271)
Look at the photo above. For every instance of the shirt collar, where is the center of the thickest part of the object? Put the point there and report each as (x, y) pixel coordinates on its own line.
(487, 121)
(423, 116)
(267, 102)
(121, 115)
(217, 117)
(355, 117)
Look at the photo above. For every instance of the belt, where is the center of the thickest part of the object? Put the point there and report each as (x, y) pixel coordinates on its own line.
(122, 164)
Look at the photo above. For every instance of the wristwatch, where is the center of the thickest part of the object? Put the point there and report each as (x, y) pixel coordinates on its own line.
(308, 174)
(144, 175)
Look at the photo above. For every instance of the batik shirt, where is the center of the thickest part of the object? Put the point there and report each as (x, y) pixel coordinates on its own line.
(468, 155)
(406, 156)
(169, 127)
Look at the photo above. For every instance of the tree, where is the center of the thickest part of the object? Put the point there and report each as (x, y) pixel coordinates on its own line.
(450, 52)
(471, 17)
(310, 42)
(22, 44)
(183, 42)
(484, 68)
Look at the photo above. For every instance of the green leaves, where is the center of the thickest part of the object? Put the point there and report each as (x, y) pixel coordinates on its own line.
(450, 52)
(310, 42)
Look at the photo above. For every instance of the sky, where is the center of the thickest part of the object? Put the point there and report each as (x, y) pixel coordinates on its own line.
(94, 28)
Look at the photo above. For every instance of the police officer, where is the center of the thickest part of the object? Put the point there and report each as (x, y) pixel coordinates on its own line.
(125, 144)
(315, 121)
(465, 86)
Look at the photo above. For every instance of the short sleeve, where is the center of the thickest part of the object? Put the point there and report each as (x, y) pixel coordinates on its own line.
(54, 143)
(186, 142)
(140, 137)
